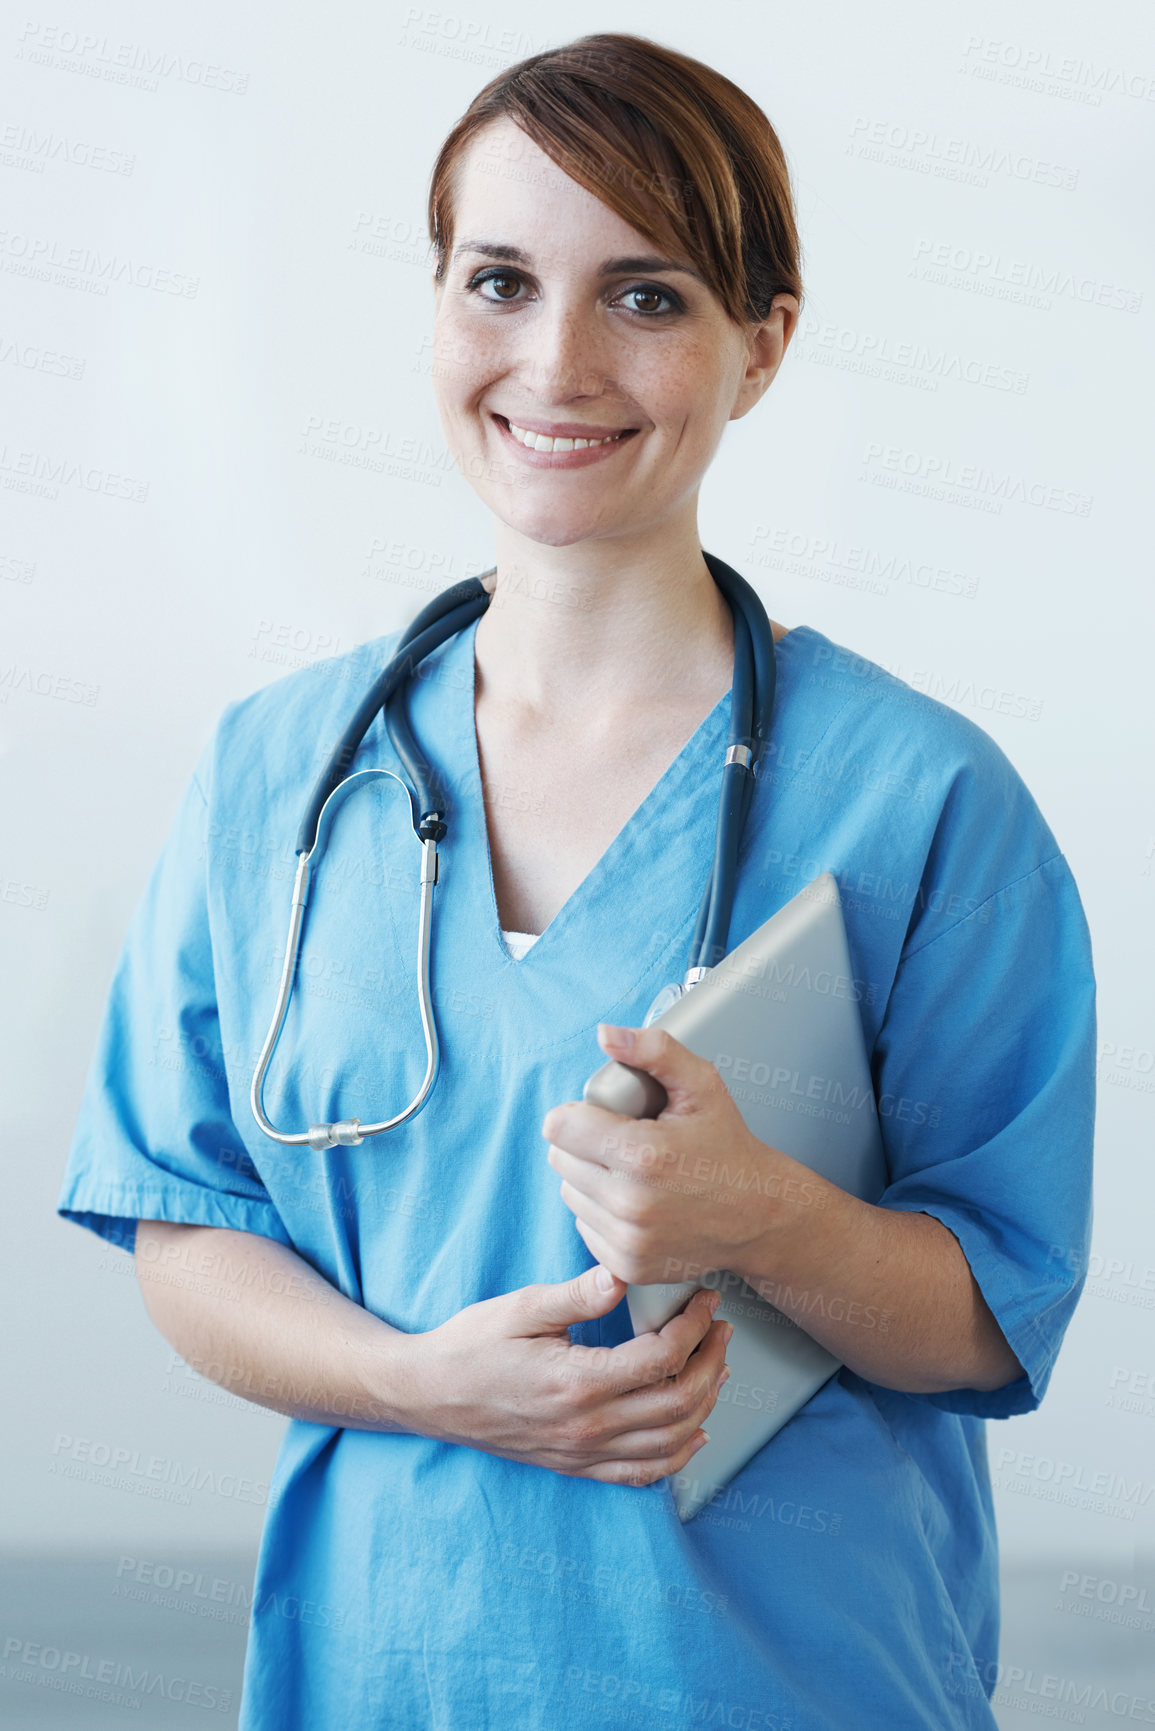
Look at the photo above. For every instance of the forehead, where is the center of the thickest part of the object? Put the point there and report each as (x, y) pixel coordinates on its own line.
(508, 189)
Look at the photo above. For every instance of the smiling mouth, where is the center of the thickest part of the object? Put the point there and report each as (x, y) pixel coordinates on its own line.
(544, 443)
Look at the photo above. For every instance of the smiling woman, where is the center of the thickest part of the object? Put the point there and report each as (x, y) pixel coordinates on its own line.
(580, 313)
(477, 1468)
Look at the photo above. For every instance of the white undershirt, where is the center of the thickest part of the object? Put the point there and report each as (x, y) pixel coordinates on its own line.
(517, 943)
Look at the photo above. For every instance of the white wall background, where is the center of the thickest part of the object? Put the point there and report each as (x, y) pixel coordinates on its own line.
(974, 187)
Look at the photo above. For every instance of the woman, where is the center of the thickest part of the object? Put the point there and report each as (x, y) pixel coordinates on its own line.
(474, 1494)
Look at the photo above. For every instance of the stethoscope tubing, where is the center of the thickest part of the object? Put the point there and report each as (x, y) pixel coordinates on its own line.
(751, 707)
(351, 1131)
(412, 650)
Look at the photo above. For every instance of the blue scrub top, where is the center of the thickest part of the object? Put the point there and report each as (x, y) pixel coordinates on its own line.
(848, 1575)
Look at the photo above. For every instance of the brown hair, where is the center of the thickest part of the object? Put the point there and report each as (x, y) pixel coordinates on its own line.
(665, 141)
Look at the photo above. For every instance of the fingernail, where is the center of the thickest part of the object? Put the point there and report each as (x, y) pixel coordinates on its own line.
(714, 1301)
(623, 1037)
(604, 1279)
(725, 1376)
(704, 1441)
(729, 1327)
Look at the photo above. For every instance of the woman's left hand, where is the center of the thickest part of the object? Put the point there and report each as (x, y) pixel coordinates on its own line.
(665, 1199)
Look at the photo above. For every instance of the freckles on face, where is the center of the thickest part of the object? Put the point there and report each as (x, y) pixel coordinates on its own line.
(530, 323)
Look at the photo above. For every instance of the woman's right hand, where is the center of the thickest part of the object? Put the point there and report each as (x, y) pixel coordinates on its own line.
(502, 1375)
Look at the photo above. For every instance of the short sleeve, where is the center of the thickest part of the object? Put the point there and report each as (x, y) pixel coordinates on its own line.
(984, 1072)
(155, 1138)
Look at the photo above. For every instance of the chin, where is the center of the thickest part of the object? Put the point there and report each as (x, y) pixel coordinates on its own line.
(549, 528)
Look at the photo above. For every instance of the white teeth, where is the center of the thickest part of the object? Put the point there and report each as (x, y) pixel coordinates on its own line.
(540, 442)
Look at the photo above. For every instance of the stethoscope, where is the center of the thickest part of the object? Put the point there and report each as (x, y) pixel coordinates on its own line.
(751, 703)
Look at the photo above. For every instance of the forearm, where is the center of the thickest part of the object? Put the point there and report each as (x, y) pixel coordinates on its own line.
(250, 1314)
(890, 1293)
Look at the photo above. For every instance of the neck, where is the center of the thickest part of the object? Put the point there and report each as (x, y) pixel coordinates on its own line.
(603, 626)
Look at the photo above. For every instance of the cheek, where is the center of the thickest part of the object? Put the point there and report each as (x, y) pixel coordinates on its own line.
(679, 387)
(465, 357)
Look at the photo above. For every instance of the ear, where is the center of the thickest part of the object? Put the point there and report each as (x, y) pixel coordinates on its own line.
(766, 347)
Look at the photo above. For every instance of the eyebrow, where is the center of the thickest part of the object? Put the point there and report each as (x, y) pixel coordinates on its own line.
(611, 267)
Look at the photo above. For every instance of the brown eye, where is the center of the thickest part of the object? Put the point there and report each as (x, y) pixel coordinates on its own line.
(651, 292)
(498, 276)
(650, 295)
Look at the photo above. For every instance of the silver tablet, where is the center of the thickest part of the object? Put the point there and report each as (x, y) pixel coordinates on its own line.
(779, 1018)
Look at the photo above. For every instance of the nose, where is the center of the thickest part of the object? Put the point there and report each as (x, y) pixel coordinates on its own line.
(566, 354)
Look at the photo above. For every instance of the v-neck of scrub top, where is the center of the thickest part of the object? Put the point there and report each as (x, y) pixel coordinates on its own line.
(648, 881)
(519, 943)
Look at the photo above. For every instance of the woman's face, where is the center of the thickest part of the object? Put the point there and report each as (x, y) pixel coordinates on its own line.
(558, 316)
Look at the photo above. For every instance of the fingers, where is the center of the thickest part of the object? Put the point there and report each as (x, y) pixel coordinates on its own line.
(649, 1362)
(639, 1416)
(689, 1327)
(679, 1070)
(651, 1358)
(549, 1308)
(605, 1219)
(687, 1412)
(653, 1421)
(587, 1177)
(588, 1132)
(666, 1402)
(655, 1450)
(640, 1473)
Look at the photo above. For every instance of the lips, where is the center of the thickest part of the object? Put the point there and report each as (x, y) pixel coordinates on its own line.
(569, 454)
(568, 439)
(565, 429)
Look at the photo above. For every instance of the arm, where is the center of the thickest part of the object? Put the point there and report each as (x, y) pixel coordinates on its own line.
(502, 1375)
(890, 1293)
(252, 1315)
